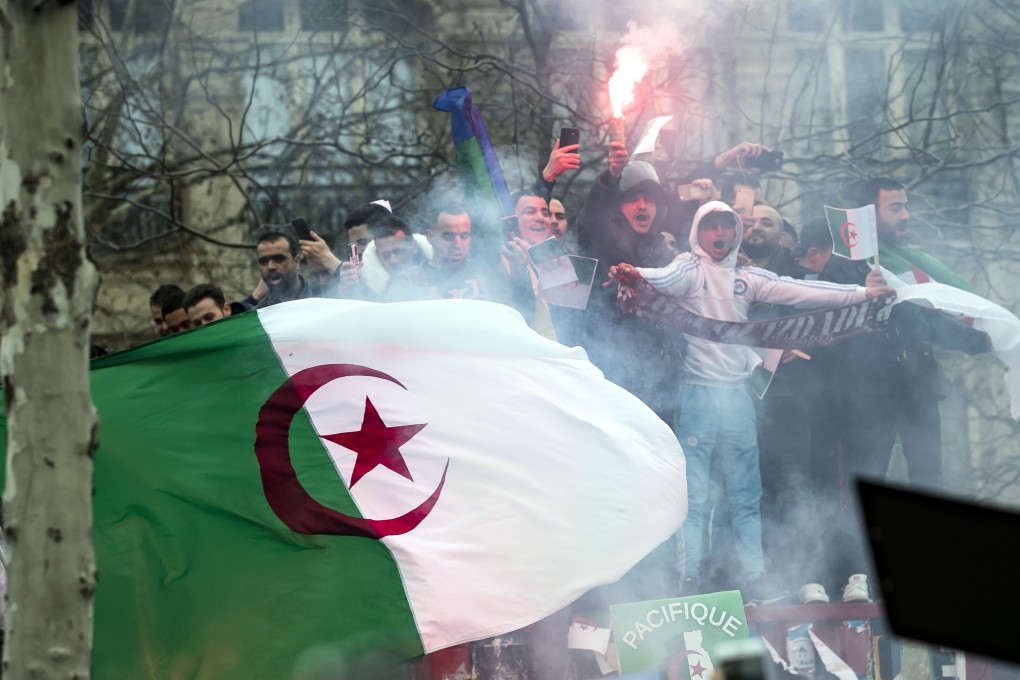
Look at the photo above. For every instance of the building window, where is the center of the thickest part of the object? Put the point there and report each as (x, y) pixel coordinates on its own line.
(261, 15)
(924, 105)
(865, 89)
(117, 14)
(138, 16)
(918, 16)
(324, 15)
(811, 101)
(86, 15)
(864, 15)
(805, 17)
(383, 17)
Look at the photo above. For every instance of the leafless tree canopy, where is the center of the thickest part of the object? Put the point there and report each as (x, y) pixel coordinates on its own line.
(207, 120)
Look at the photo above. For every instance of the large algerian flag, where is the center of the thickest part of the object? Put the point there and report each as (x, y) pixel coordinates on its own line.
(915, 266)
(854, 232)
(329, 477)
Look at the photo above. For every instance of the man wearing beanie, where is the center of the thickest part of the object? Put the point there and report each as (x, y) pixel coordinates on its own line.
(621, 221)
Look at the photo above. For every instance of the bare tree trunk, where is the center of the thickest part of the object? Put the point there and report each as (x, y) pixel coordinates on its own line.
(48, 287)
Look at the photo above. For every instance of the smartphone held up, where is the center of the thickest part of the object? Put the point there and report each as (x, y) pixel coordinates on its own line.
(691, 192)
(766, 161)
(511, 227)
(743, 203)
(570, 136)
(301, 229)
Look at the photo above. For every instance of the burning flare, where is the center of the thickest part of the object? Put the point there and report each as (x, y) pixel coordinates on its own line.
(631, 66)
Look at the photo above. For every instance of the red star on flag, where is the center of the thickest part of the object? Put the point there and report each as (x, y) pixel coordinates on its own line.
(697, 669)
(376, 444)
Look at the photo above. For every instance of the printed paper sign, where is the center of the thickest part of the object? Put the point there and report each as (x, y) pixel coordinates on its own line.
(565, 280)
(647, 143)
(551, 263)
(677, 636)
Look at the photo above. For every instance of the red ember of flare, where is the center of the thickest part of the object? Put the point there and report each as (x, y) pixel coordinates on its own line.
(631, 67)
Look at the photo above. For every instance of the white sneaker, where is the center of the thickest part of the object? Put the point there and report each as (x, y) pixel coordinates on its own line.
(813, 593)
(857, 589)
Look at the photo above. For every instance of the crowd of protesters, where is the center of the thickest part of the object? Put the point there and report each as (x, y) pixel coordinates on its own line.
(779, 469)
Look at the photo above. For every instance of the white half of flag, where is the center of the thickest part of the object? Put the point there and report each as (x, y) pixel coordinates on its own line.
(1001, 325)
(556, 480)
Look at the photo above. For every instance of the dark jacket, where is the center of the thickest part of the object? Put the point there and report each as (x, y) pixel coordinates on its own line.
(900, 360)
(632, 352)
(804, 378)
(307, 290)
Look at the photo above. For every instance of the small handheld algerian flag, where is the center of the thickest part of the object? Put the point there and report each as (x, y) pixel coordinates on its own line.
(854, 232)
(328, 477)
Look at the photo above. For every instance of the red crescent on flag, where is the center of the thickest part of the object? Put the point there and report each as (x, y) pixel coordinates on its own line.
(849, 237)
(286, 496)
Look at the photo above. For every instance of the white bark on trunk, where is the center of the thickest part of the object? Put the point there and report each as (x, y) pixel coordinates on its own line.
(47, 287)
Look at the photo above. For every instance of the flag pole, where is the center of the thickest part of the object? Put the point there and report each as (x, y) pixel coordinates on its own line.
(874, 227)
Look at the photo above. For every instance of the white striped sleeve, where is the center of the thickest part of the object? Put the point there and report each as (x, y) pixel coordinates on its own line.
(769, 287)
(676, 278)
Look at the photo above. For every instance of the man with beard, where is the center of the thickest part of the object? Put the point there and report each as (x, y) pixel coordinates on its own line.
(716, 414)
(890, 380)
(763, 230)
(558, 218)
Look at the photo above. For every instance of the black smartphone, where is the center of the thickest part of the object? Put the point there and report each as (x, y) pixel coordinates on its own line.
(301, 229)
(569, 136)
(511, 229)
(765, 161)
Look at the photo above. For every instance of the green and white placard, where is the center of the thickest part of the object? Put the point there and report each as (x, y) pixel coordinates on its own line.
(677, 635)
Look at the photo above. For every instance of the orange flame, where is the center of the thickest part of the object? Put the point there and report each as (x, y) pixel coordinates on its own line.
(631, 66)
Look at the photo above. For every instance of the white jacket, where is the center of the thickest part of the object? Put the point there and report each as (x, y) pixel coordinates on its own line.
(724, 291)
(375, 276)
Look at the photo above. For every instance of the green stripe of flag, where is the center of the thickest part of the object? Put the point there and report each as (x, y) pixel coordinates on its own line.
(486, 213)
(198, 578)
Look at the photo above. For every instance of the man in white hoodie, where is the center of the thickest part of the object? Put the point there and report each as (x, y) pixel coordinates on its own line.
(716, 414)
